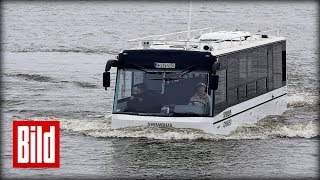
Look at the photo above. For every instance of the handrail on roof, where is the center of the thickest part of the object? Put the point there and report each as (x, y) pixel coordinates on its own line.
(170, 34)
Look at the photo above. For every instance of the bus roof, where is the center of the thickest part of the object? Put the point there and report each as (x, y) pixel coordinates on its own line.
(218, 43)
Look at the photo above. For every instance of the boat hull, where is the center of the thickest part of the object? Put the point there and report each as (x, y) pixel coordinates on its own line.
(248, 112)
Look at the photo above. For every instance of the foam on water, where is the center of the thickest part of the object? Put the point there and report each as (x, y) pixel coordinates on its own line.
(266, 129)
(303, 99)
(262, 130)
(269, 127)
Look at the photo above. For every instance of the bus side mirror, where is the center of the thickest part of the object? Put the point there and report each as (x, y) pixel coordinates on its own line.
(106, 74)
(213, 82)
(106, 79)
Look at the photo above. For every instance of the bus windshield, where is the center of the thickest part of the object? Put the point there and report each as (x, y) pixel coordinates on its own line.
(165, 93)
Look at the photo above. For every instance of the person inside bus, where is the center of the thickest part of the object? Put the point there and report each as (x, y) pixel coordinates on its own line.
(201, 98)
(140, 93)
(135, 102)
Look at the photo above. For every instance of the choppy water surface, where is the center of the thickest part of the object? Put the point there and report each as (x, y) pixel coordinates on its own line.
(53, 59)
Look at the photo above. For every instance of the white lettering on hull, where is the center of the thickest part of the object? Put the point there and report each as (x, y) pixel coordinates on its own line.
(159, 124)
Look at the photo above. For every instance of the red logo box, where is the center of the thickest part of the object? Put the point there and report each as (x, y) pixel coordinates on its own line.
(36, 144)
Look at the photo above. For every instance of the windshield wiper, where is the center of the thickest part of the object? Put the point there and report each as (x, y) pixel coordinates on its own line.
(141, 68)
(177, 75)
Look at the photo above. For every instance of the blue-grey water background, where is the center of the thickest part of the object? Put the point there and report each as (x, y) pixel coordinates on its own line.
(53, 56)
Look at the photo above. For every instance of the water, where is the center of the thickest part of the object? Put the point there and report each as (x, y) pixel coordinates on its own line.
(52, 63)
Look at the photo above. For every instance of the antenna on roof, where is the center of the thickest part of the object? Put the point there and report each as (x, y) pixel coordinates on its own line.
(189, 19)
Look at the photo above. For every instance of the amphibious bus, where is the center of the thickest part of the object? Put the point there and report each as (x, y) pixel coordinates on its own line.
(213, 81)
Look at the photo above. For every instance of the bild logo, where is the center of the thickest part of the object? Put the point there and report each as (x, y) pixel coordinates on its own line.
(36, 144)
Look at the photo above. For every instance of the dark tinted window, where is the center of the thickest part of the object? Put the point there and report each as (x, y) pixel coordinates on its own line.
(249, 74)
(262, 63)
(270, 68)
(243, 68)
(261, 86)
(252, 66)
(220, 93)
(223, 62)
(251, 90)
(242, 93)
(232, 96)
(232, 71)
(277, 65)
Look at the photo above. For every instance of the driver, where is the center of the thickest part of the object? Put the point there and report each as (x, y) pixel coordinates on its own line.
(136, 102)
(140, 94)
(201, 98)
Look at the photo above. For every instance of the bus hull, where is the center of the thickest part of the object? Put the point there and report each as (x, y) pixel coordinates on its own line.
(248, 112)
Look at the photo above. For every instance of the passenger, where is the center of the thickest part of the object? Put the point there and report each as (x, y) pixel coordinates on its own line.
(136, 102)
(201, 98)
(140, 94)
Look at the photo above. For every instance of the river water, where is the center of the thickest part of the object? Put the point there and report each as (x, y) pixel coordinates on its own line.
(52, 62)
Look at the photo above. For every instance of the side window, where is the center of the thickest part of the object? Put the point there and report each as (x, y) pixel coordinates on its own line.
(277, 66)
(262, 65)
(251, 89)
(243, 68)
(232, 96)
(223, 62)
(252, 66)
(262, 68)
(125, 84)
(232, 78)
(270, 69)
(220, 93)
(242, 92)
(233, 71)
(262, 86)
(284, 63)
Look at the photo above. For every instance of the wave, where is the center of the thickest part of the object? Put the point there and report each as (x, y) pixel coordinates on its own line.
(85, 84)
(267, 129)
(43, 78)
(14, 102)
(303, 100)
(261, 130)
(31, 77)
(73, 50)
